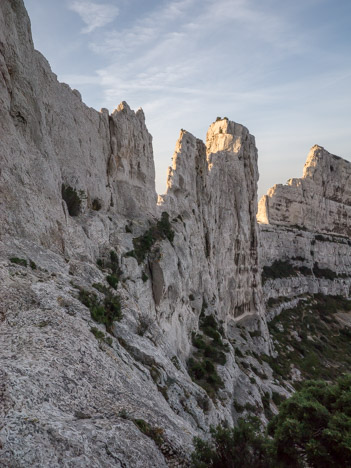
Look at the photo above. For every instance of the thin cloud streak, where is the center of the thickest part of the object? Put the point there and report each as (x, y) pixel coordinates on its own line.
(94, 15)
(187, 61)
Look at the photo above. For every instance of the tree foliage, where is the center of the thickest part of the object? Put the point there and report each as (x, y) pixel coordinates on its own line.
(240, 446)
(314, 426)
(312, 429)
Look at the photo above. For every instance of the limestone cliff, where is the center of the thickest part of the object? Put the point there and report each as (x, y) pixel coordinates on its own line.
(305, 225)
(319, 201)
(214, 189)
(128, 326)
(124, 331)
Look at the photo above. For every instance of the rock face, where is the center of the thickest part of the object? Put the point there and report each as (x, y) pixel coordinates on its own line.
(214, 189)
(320, 201)
(81, 236)
(306, 225)
(55, 139)
(127, 326)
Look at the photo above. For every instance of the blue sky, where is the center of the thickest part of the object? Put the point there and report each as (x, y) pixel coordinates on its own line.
(282, 68)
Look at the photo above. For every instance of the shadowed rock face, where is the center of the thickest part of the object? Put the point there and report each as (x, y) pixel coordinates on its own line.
(76, 184)
(49, 138)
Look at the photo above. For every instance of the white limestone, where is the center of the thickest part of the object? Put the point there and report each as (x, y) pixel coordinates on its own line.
(306, 223)
(66, 398)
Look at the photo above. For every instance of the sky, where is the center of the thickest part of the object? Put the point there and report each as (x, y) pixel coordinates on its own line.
(281, 68)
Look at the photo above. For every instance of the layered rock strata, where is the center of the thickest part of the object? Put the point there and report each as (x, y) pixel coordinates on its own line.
(305, 224)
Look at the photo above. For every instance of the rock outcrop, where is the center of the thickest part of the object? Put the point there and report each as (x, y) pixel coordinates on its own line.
(128, 326)
(306, 226)
(121, 327)
(214, 190)
(320, 201)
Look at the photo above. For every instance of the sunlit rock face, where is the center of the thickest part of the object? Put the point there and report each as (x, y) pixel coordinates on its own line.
(306, 224)
(213, 187)
(76, 184)
(319, 201)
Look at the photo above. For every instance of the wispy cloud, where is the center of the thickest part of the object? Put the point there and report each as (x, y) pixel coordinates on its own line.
(94, 15)
(267, 65)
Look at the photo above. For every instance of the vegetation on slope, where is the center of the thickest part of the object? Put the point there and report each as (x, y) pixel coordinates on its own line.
(209, 351)
(312, 338)
(158, 231)
(312, 429)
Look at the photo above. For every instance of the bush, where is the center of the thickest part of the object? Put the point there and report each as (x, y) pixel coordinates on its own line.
(19, 261)
(278, 269)
(155, 433)
(144, 324)
(242, 446)
(159, 231)
(100, 336)
(112, 280)
(312, 429)
(96, 205)
(324, 272)
(204, 373)
(73, 199)
(106, 312)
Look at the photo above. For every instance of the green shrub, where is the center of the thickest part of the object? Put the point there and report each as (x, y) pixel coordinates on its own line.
(73, 199)
(159, 231)
(110, 263)
(266, 400)
(324, 272)
(19, 261)
(204, 373)
(277, 398)
(164, 226)
(210, 351)
(144, 277)
(155, 433)
(106, 312)
(96, 205)
(305, 270)
(100, 263)
(144, 323)
(312, 429)
(242, 446)
(112, 280)
(101, 288)
(100, 336)
(278, 269)
(198, 341)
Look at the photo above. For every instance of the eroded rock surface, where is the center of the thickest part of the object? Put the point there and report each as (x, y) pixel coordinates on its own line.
(320, 201)
(306, 226)
(79, 228)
